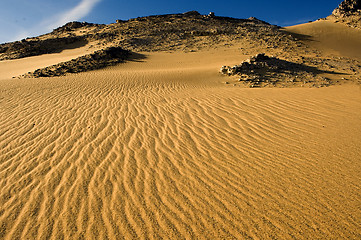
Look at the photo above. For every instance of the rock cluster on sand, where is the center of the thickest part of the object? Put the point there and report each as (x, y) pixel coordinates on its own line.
(97, 60)
(262, 70)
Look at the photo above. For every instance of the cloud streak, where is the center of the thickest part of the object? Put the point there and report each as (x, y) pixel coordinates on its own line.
(74, 14)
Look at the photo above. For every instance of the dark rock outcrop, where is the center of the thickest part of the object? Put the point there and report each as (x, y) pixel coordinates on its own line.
(97, 60)
(70, 26)
(348, 13)
(191, 13)
(262, 70)
(28, 48)
(347, 7)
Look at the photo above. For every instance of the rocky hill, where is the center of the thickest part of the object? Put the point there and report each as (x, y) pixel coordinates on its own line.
(349, 13)
(348, 7)
(187, 32)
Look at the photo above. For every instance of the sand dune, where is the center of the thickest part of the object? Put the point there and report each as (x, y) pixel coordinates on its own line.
(13, 68)
(331, 37)
(162, 149)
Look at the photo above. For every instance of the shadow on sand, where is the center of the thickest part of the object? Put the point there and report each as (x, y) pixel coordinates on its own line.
(136, 57)
(302, 37)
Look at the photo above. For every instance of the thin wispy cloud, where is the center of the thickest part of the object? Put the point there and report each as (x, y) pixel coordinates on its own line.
(81, 10)
(74, 14)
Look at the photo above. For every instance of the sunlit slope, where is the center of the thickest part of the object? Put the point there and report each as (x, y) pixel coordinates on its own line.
(13, 68)
(330, 37)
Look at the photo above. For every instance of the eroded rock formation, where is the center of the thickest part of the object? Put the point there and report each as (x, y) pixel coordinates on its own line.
(347, 7)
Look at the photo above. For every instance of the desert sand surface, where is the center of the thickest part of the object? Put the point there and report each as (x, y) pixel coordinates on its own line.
(161, 148)
(13, 68)
(330, 37)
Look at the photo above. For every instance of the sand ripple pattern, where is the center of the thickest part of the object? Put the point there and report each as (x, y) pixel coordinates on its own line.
(133, 158)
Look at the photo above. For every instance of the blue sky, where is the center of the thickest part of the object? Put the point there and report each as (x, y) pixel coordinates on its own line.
(26, 18)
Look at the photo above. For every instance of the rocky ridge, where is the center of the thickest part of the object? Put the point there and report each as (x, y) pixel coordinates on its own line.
(347, 7)
(35, 47)
(348, 12)
(97, 60)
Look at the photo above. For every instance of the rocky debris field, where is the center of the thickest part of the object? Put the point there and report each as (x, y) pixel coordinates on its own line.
(97, 60)
(193, 31)
(264, 71)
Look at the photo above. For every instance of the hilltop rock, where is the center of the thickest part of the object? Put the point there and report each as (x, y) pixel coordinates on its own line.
(347, 7)
(349, 13)
(191, 13)
(73, 26)
(254, 19)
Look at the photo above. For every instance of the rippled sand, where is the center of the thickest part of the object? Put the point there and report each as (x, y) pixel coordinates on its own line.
(162, 149)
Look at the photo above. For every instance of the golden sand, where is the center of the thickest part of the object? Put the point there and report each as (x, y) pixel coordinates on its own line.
(163, 149)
